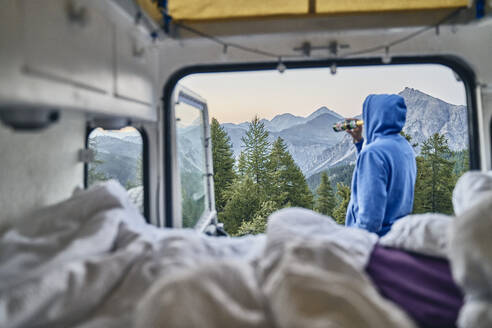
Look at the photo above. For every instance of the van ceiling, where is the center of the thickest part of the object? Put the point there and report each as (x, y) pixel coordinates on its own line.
(226, 9)
(187, 10)
(225, 17)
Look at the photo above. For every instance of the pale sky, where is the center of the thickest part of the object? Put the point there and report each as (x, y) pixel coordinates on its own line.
(237, 97)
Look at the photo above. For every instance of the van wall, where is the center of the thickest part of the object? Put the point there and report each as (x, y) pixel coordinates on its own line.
(41, 167)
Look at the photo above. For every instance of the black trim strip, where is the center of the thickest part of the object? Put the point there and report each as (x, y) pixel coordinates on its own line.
(490, 125)
(88, 130)
(167, 145)
(145, 174)
(460, 67)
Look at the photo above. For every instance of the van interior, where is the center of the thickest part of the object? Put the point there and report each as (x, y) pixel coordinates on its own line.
(131, 196)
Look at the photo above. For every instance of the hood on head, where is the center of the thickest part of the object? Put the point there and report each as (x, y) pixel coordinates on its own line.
(383, 115)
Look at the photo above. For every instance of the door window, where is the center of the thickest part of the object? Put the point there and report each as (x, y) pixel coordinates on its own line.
(118, 155)
(192, 159)
(191, 162)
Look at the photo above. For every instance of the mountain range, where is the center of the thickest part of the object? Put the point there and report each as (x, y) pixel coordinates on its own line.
(315, 147)
(310, 140)
(117, 154)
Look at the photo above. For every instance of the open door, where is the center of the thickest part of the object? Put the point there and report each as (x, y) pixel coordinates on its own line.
(193, 192)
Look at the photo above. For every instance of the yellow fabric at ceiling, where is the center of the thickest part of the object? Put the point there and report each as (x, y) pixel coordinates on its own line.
(358, 6)
(226, 9)
(230, 9)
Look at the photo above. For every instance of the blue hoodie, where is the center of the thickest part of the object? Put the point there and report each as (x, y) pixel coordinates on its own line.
(384, 176)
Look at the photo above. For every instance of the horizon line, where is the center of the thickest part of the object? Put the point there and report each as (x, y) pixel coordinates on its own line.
(334, 111)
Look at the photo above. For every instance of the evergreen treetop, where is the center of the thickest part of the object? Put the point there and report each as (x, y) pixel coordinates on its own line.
(435, 178)
(256, 147)
(340, 212)
(326, 201)
(244, 201)
(223, 163)
(288, 185)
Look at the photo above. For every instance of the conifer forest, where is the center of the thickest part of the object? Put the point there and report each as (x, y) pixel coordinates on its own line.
(265, 178)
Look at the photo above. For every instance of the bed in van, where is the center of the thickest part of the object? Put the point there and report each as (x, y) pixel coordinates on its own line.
(81, 77)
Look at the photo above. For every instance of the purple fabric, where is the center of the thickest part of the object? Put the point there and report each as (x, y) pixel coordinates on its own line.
(421, 285)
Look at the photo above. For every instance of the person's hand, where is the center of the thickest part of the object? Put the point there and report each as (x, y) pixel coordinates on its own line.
(355, 133)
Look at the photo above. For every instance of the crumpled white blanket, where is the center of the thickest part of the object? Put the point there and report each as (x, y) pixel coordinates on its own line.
(471, 248)
(92, 261)
(312, 272)
(470, 189)
(86, 262)
(309, 275)
(421, 233)
(429, 233)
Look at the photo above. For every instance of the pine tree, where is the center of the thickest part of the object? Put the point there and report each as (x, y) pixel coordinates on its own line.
(259, 222)
(326, 202)
(243, 203)
(278, 180)
(288, 185)
(462, 162)
(256, 150)
(436, 180)
(253, 227)
(241, 164)
(340, 212)
(297, 187)
(94, 172)
(223, 164)
(421, 202)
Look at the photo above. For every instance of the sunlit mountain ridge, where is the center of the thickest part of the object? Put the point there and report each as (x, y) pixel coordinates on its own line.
(316, 147)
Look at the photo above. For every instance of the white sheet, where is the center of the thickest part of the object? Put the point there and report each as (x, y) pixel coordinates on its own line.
(469, 190)
(429, 233)
(471, 248)
(421, 233)
(310, 275)
(91, 261)
(313, 274)
(91, 258)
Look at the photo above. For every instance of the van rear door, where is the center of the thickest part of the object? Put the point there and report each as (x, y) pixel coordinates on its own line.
(193, 191)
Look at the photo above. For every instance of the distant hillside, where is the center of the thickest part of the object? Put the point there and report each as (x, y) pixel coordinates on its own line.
(117, 155)
(428, 115)
(315, 147)
(311, 141)
(336, 174)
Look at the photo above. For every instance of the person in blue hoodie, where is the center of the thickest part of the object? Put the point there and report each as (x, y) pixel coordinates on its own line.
(384, 177)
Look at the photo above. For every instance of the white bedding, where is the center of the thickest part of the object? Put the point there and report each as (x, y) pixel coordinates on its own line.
(92, 261)
(471, 248)
(421, 233)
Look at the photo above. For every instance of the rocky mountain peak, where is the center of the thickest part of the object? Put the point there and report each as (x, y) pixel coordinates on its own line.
(315, 147)
(323, 110)
(281, 116)
(410, 94)
(407, 91)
